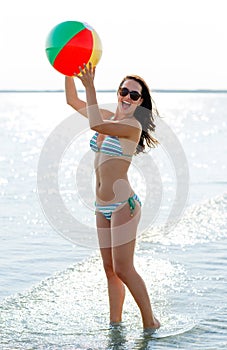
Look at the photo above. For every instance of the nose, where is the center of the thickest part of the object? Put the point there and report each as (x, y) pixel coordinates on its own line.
(128, 96)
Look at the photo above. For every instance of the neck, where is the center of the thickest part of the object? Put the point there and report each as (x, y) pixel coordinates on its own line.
(120, 116)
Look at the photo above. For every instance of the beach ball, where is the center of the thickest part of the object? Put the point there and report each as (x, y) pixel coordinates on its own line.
(71, 44)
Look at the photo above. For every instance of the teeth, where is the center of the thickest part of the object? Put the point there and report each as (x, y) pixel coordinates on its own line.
(126, 105)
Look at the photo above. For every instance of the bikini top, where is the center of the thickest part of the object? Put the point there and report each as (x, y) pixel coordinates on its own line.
(110, 145)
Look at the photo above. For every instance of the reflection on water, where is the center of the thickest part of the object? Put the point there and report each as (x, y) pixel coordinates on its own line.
(70, 309)
(117, 337)
(185, 269)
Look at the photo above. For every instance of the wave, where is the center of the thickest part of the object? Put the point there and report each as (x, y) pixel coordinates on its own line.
(69, 310)
(204, 222)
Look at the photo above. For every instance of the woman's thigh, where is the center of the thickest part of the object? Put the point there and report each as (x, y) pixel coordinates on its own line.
(123, 225)
(117, 237)
(104, 236)
(103, 230)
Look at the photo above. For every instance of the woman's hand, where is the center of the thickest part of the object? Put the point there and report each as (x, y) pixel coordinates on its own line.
(87, 75)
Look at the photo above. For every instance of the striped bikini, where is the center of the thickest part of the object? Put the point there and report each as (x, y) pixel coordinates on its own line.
(107, 210)
(112, 147)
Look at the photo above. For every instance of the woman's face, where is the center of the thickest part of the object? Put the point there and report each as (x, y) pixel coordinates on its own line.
(127, 104)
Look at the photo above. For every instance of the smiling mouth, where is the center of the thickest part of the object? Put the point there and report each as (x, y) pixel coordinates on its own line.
(125, 104)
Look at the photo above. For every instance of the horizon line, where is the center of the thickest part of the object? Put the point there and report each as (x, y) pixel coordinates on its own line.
(114, 91)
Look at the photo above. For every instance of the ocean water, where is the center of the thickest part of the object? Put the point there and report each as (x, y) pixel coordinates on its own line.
(53, 289)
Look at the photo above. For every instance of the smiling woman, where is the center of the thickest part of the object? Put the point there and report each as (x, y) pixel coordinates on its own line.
(118, 208)
(145, 112)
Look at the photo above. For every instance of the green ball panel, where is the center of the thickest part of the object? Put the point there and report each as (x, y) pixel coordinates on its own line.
(59, 36)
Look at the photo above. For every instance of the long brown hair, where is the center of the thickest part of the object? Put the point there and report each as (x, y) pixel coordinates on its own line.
(145, 114)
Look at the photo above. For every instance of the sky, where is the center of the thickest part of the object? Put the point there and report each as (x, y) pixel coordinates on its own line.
(172, 44)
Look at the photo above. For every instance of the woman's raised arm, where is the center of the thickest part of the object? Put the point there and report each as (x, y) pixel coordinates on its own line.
(72, 98)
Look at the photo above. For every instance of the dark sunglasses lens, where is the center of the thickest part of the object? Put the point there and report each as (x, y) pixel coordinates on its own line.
(134, 95)
(123, 91)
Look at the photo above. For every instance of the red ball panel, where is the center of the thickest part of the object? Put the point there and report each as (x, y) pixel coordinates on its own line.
(77, 51)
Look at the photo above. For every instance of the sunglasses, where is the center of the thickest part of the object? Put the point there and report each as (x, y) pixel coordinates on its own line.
(134, 95)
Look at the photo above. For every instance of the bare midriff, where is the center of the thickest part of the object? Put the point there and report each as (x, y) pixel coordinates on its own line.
(112, 184)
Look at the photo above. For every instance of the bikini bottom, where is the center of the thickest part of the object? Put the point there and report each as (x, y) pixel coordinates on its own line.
(107, 210)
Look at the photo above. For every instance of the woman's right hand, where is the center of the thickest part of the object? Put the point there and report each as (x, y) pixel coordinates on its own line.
(87, 75)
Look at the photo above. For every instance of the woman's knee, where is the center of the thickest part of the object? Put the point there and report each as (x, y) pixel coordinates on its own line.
(118, 271)
(122, 272)
(109, 271)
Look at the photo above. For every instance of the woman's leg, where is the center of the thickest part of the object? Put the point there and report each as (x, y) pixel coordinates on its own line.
(123, 231)
(116, 289)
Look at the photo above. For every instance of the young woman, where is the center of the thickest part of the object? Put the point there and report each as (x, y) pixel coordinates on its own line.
(118, 136)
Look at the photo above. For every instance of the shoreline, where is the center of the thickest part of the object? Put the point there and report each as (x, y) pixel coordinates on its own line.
(197, 91)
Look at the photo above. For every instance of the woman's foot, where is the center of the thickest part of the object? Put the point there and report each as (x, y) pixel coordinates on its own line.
(115, 323)
(156, 325)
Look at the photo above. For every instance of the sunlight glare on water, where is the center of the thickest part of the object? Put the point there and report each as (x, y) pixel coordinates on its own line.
(54, 295)
(75, 308)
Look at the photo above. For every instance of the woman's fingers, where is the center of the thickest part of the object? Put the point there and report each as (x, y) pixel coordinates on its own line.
(94, 68)
(86, 70)
(86, 73)
(81, 70)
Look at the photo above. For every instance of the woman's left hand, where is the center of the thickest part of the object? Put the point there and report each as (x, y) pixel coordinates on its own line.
(87, 75)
